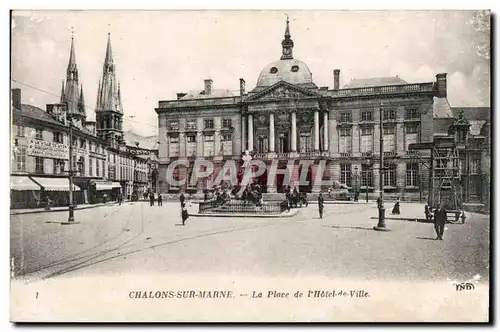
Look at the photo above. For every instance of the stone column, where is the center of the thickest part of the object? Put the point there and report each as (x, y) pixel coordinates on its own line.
(294, 132)
(271, 132)
(316, 130)
(325, 131)
(250, 132)
(243, 134)
(199, 144)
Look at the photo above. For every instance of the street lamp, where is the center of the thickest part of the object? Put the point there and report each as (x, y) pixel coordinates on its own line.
(381, 210)
(356, 183)
(71, 173)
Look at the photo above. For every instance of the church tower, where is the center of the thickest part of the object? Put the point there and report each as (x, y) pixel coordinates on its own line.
(109, 111)
(287, 43)
(70, 95)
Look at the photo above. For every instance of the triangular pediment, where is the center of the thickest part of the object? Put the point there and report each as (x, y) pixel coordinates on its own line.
(283, 90)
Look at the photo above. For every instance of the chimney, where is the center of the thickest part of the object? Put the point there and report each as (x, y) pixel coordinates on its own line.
(336, 79)
(441, 85)
(208, 87)
(242, 87)
(16, 98)
(180, 95)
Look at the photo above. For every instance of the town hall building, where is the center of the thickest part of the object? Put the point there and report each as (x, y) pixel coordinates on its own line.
(288, 117)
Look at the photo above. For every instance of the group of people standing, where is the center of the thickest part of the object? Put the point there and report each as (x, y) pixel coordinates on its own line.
(152, 199)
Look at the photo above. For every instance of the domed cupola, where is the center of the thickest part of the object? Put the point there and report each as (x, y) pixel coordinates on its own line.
(287, 68)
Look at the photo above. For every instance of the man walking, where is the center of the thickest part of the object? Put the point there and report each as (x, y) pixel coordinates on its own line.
(160, 200)
(320, 205)
(184, 213)
(182, 198)
(439, 222)
(151, 199)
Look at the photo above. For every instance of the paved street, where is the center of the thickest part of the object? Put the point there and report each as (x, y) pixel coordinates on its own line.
(141, 239)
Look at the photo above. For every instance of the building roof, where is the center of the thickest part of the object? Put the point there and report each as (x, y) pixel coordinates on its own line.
(34, 112)
(441, 109)
(375, 81)
(292, 71)
(473, 113)
(215, 93)
(145, 142)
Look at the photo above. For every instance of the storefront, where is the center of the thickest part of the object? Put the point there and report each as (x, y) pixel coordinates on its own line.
(24, 193)
(57, 189)
(98, 189)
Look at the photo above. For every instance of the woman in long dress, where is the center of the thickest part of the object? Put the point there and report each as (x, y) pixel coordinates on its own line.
(395, 209)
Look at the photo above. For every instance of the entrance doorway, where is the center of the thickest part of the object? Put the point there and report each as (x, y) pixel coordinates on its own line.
(283, 142)
(307, 186)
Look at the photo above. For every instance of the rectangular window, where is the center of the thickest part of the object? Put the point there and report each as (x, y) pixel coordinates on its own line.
(227, 145)
(58, 137)
(209, 124)
(21, 158)
(262, 144)
(345, 142)
(227, 123)
(39, 134)
(20, 131)
(83, 144)
(389, 139)
(366, 115)
(97, 167)
(366, 176)
(91, 169)
(173, 125)
(390, 175)
(191, 145)
(305, 142)
(411, 135)
(366, 139)
(345, 174)
(412, 175)
(191, 124)
(411, 113)
(389, 114)
(475, 165)
(81, 166)
(461, 136)
(345, 117)
(208, 145)
(174, 139)
(39, 165)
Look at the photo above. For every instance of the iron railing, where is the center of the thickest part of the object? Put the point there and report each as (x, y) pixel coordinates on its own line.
(234, 207)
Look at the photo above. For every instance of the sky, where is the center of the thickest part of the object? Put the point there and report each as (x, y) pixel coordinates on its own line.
(161, 53)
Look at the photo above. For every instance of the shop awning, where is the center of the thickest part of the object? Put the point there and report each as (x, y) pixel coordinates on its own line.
(107, 186)
(21, 183)
(54, 184)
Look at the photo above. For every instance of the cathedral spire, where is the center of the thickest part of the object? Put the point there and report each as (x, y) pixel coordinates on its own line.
(62, 93)
(71, 91)
(287, 43)
(81, 103)
(109, 53)
(72, 71)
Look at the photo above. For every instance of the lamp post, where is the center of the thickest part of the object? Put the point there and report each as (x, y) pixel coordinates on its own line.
(356, 183)
(381, 210)
(71, 174)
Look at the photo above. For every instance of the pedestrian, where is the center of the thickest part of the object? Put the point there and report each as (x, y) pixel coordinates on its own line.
(105, 198)
(184, 213)
(320, 205)
(439, 222)
(151, 199)
(160, 200)
(182, 198)
(395, 209)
